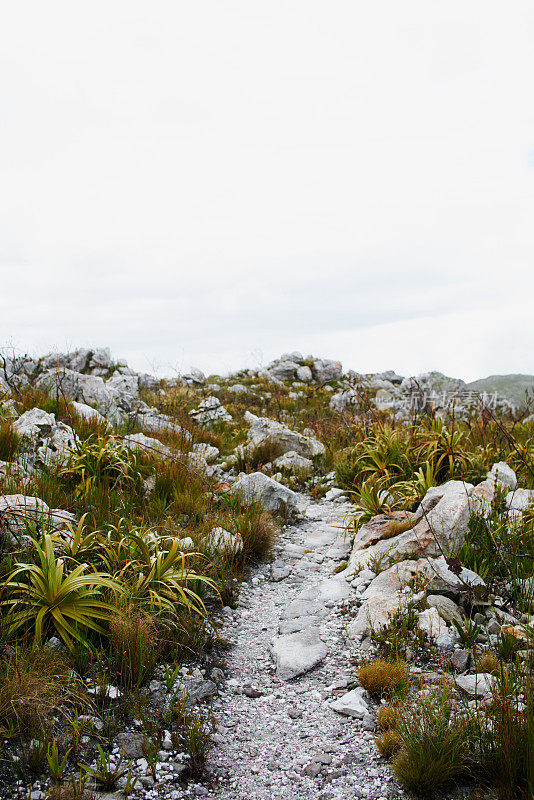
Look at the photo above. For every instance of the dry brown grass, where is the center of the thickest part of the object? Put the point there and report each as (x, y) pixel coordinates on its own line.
(9, 441)
(488, 663)
(69, 791)
(34, 685)
(257, 531)
(389, 742)
(383, 678)
(386, 717)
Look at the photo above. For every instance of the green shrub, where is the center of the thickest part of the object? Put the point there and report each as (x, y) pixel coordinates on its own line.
(434, 744)
(135, 645)
(47, 597)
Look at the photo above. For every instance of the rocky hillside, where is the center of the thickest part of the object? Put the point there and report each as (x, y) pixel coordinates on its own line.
(293, 581)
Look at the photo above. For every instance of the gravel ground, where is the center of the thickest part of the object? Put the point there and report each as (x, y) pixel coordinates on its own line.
(280, 738)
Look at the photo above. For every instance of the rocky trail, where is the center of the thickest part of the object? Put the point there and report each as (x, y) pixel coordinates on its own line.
(278, 735)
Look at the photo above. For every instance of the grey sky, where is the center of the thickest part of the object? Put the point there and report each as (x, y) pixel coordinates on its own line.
(214, 183)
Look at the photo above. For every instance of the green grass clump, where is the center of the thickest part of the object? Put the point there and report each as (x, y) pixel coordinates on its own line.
(9, 441)
(434, 744)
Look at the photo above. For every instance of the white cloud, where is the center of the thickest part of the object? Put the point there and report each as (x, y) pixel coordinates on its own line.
(200, 182)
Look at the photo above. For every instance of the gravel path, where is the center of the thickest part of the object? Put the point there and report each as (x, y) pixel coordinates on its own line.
(279, 738)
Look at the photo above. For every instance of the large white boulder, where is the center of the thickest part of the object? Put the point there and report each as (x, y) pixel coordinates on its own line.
(90, 389)
(48, 442)
(284, 370)
(503, 475)
(520, 499)
(274, 496)
(324, 369)
(438, 526)
(263, 430)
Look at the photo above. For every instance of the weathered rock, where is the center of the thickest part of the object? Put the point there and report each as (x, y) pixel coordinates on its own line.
(273, 495)
(195, 376)
(480, 685)
(263, 430)
(17, 510)
(90, 414)
(89, 389)
(347, 398)
(446, 608)
(48, 442)
(210, 411)
(151, 420)
(148, 445)
(333, 589)
(284, 370)
(383, 526)
(221, 540)
(334, 494)
(376, 613)
(293, 462)
(124, 386)
(442, 579)
(503, 475)
(395, 578)
(441, 525)
(304, 374)
(482, 497)
(279, 571)
(460, 660)
(297, 653)
(353, 704)
(430, 622)
(208, 451)
(520, 499)
(325, 369)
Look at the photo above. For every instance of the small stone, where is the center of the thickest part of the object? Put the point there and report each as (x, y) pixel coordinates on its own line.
(353, 703)
(460, 660)
(312, 770)
(251, 691)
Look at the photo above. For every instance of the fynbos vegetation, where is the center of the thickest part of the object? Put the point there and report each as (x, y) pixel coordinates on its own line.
(132, 510)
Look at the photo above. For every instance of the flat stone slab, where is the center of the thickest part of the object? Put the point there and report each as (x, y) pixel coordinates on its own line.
(353, 704)
(301, 608)
(299, 624)
(333, 589)
(321, 537)
(297, 653)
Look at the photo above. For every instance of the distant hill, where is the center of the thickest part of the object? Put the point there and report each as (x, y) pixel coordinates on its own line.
(513, 386)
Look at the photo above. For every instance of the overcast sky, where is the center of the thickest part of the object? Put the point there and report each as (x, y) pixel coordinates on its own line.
(214, 183)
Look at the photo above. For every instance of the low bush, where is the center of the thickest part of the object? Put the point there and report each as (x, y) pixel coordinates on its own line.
(383, 678)
(434, 744)
(388, 743)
